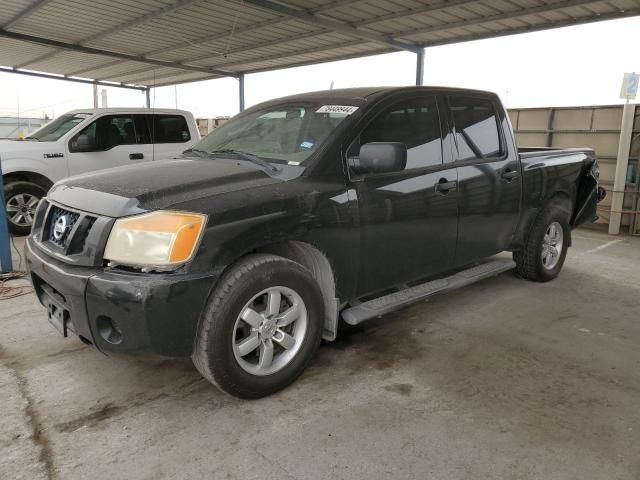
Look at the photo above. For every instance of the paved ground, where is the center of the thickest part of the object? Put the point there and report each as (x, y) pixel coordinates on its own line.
(502, 380)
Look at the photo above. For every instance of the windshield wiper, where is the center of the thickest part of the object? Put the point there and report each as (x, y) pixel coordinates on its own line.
(245, 156)
(200, 153)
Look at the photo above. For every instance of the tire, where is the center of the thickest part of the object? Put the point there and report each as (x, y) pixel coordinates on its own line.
(533, 261)
(218, 353)
(19, 195)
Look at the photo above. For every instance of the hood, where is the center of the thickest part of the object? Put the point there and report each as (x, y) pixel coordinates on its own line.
(156, 185)
(19, 148)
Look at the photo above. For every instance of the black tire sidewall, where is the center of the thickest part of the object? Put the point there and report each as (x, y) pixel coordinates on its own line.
(222, 362)
(554, 214)
(15, 188)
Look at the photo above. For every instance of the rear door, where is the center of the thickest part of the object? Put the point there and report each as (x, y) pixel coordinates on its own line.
(408, 225)
(170, 135)
(489, 177)
(113, 140)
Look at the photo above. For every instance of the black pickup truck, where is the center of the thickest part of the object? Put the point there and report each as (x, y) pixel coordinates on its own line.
(298, 214)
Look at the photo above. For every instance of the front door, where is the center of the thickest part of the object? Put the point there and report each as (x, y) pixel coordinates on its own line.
(110, 141)
(489, 178)
(408, 218)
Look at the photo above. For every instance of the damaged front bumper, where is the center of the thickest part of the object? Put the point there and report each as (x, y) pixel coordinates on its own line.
(118, 311)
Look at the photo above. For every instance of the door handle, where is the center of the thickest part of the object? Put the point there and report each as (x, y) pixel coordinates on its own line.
(136, 156)
(444, 186)
(509, 175)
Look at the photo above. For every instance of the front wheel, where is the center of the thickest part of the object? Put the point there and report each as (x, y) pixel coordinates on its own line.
(21, 201)
(546, 245)
(261, 327)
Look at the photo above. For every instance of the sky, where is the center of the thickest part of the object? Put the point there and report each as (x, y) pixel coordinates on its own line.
(580, 65)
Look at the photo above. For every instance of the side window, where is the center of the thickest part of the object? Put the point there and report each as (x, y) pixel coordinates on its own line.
(415, 123)
(105, 133)
(168, 129)
(120, 131)
(477, 131)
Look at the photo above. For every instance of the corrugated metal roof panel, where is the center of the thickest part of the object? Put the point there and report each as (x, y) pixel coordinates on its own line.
(182, 40)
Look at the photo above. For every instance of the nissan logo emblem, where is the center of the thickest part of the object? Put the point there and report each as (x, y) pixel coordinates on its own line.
(60, 227)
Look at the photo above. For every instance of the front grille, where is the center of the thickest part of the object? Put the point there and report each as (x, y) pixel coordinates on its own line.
(80, 238)
(66, 231)
(61, 223)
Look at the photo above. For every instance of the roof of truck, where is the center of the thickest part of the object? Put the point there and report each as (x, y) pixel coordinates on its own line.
(364, 94)
(130, 110)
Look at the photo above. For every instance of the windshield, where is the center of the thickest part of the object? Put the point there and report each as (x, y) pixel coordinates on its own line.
(281, 134)
(52, 131)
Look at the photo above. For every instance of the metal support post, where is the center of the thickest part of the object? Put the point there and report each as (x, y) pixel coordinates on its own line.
(147, 93)
(95, 95)
(620, 178)
(420, 67)
(241, 91)
(5, 240)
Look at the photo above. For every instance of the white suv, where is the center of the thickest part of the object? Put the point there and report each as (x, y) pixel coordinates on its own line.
(86, 140)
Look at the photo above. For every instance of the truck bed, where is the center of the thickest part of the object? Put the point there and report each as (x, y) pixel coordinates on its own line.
(532, 152)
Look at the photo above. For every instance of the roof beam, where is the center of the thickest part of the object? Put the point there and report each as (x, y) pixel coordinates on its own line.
(38, 4)
(312, 19)
(68, 79)
(121, 56)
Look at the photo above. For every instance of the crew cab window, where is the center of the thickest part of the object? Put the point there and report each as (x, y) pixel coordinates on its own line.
(169, 129)
(415, 123)
(109, 131)
(477, 131)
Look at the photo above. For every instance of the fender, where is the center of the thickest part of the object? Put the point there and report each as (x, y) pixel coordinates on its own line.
(47, 167)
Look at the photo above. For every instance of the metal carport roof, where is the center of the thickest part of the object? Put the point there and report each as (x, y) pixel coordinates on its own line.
(146, 43)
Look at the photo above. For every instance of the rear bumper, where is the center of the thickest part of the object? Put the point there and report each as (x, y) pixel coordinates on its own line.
(122, 312)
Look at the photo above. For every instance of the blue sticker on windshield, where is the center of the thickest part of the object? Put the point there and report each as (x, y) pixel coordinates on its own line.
(306, 145)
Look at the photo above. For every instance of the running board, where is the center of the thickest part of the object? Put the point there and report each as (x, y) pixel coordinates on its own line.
(388, 303)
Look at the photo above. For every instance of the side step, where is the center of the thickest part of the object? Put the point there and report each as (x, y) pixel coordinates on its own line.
(388, 303)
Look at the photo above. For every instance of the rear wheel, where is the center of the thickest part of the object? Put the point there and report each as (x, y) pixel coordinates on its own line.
(261, 327)
(546, 245)
(21, 201)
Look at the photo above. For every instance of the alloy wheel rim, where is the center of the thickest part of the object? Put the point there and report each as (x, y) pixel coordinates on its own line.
(552, 245)
(269, 331)
(21, 209)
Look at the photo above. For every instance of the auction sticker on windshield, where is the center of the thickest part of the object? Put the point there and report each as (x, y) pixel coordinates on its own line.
(346, 109)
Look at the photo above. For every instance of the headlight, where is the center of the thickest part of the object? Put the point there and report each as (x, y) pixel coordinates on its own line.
(159, 240)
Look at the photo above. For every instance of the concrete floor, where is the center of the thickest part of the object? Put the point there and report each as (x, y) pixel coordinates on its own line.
(504, 379)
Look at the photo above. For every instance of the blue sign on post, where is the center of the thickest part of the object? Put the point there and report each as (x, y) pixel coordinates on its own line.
(5, 241)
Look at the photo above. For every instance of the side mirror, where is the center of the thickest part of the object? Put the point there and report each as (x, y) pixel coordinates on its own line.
(82, 143)
(381, 157)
